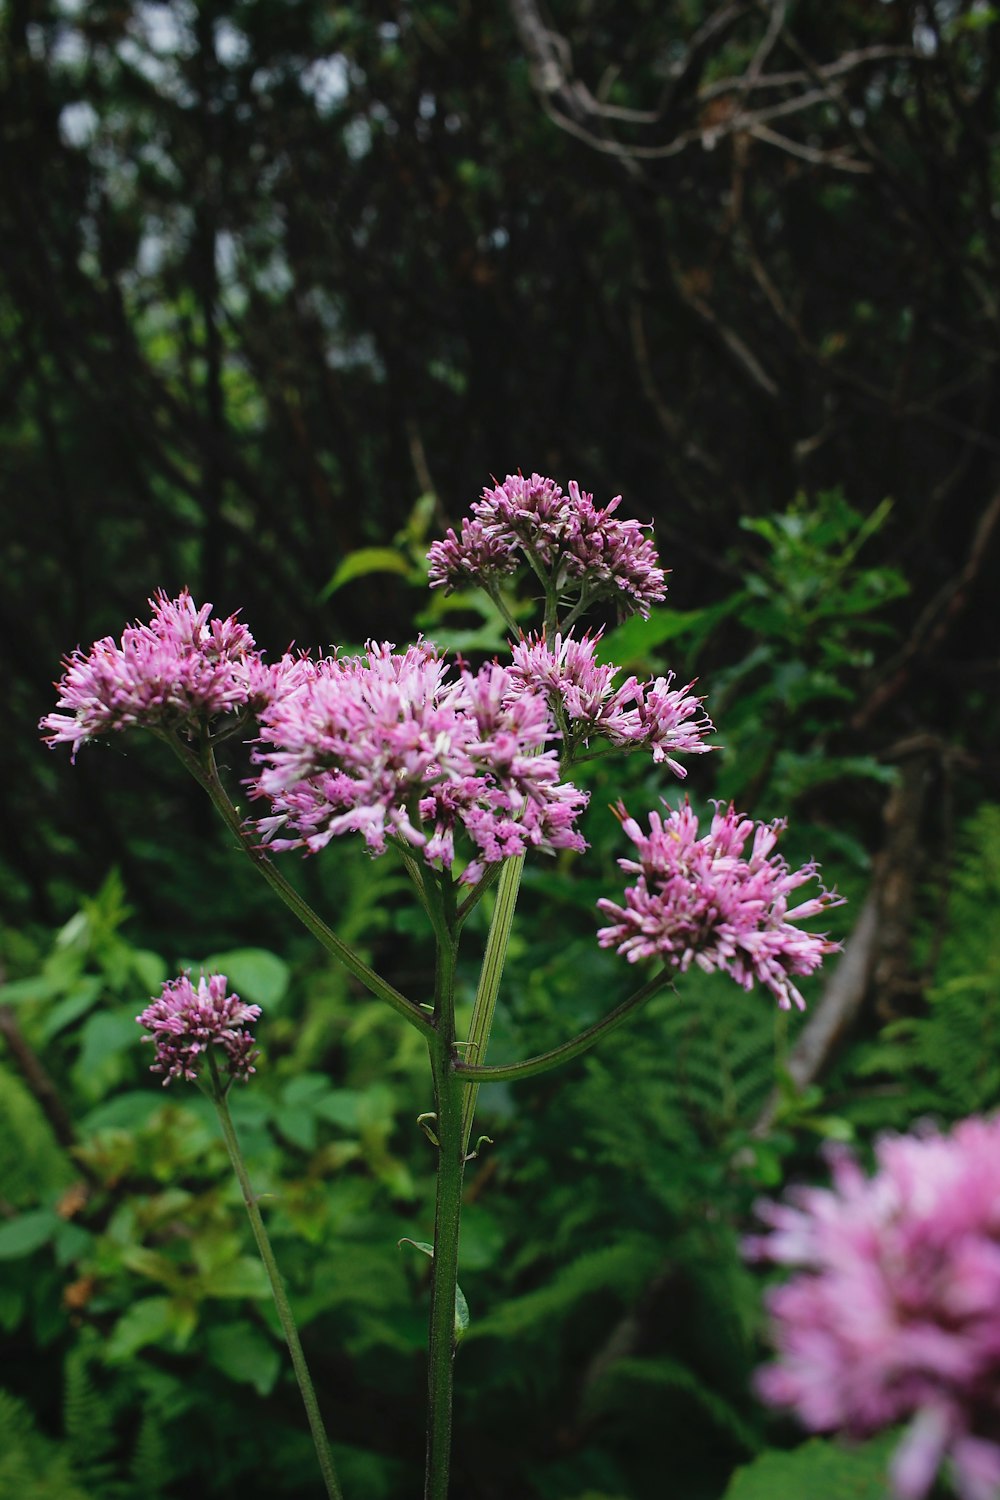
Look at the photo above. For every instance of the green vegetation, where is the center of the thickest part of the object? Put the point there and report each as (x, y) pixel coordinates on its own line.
(280, 286)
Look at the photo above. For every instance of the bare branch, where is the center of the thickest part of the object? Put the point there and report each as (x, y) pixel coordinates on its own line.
(810, 153)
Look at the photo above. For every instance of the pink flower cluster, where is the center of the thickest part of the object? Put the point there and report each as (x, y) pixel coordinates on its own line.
(564, 535)
(178, 671)
(698, 900)
(896, 1311)
(390, 745)
(582, 693)
(184, 1021)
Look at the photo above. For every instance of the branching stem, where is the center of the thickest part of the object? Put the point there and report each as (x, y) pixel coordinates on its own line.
(473, 1074)
(205, 771)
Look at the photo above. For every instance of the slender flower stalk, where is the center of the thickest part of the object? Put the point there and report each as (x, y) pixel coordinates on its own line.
(473, 1073)
(488, 988)
(203, 768)
(194, 1025)
(281, 1302)
(447, 1225)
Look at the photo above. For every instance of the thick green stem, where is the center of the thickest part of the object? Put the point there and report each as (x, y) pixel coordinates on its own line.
(489, 981)
(473, 1075)
(205, 772)
(447, 1222)
(281, 1302)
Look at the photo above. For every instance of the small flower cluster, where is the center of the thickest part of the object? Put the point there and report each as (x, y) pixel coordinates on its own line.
(565, 536)
(391, 746)
(896, 1311)
(184, 1021)
(698, 900)
(179, 671)
(668, 720)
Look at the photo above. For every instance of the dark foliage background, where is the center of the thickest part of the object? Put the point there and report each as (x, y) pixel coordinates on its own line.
(281, 281)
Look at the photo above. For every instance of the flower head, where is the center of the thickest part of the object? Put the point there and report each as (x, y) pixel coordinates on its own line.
(179, 670)
(698, 900)
(394, 745)
(185, 1020)
(582, 547)
(668, 720)
(895, 1312)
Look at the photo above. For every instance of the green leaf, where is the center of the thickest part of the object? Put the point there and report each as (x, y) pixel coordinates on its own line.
(244, 1277)
(461, 1305)
(105, 1036)
(146, 1322)
(71, 1242)
(152, 1264)
(297, 1125)
(246, 1355)
(258, 976)
(421, 1245)
(362, 562)
(149, 968)
(27, 1233)
(461, 1315)
(819, 1470)
(624, 1267)
(616, 1389)
(72, 1007)
(13, 1305)
(341, 1107)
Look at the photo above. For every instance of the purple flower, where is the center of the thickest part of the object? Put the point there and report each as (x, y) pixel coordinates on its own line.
(185, 1021)
(582, 692)
(177, 672)
(895, 1314)
(583, 549)
(393, 746)
(698, 900)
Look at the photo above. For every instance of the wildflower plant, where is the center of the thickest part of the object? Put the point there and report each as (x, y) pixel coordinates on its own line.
(459, 774)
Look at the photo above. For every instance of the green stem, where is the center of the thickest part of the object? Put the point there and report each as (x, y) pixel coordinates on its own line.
(205, 771)
(472, 1075)
(281, 1302)
(447, 1223)
(472, 900)
(489, 981)
(566, 624)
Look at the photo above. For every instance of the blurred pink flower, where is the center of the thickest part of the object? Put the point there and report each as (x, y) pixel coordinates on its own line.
(698, 900)
(895, 1314)
(177, 672)
(564, 535)
(390, 745)
(581, 690)
(184, 1021)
